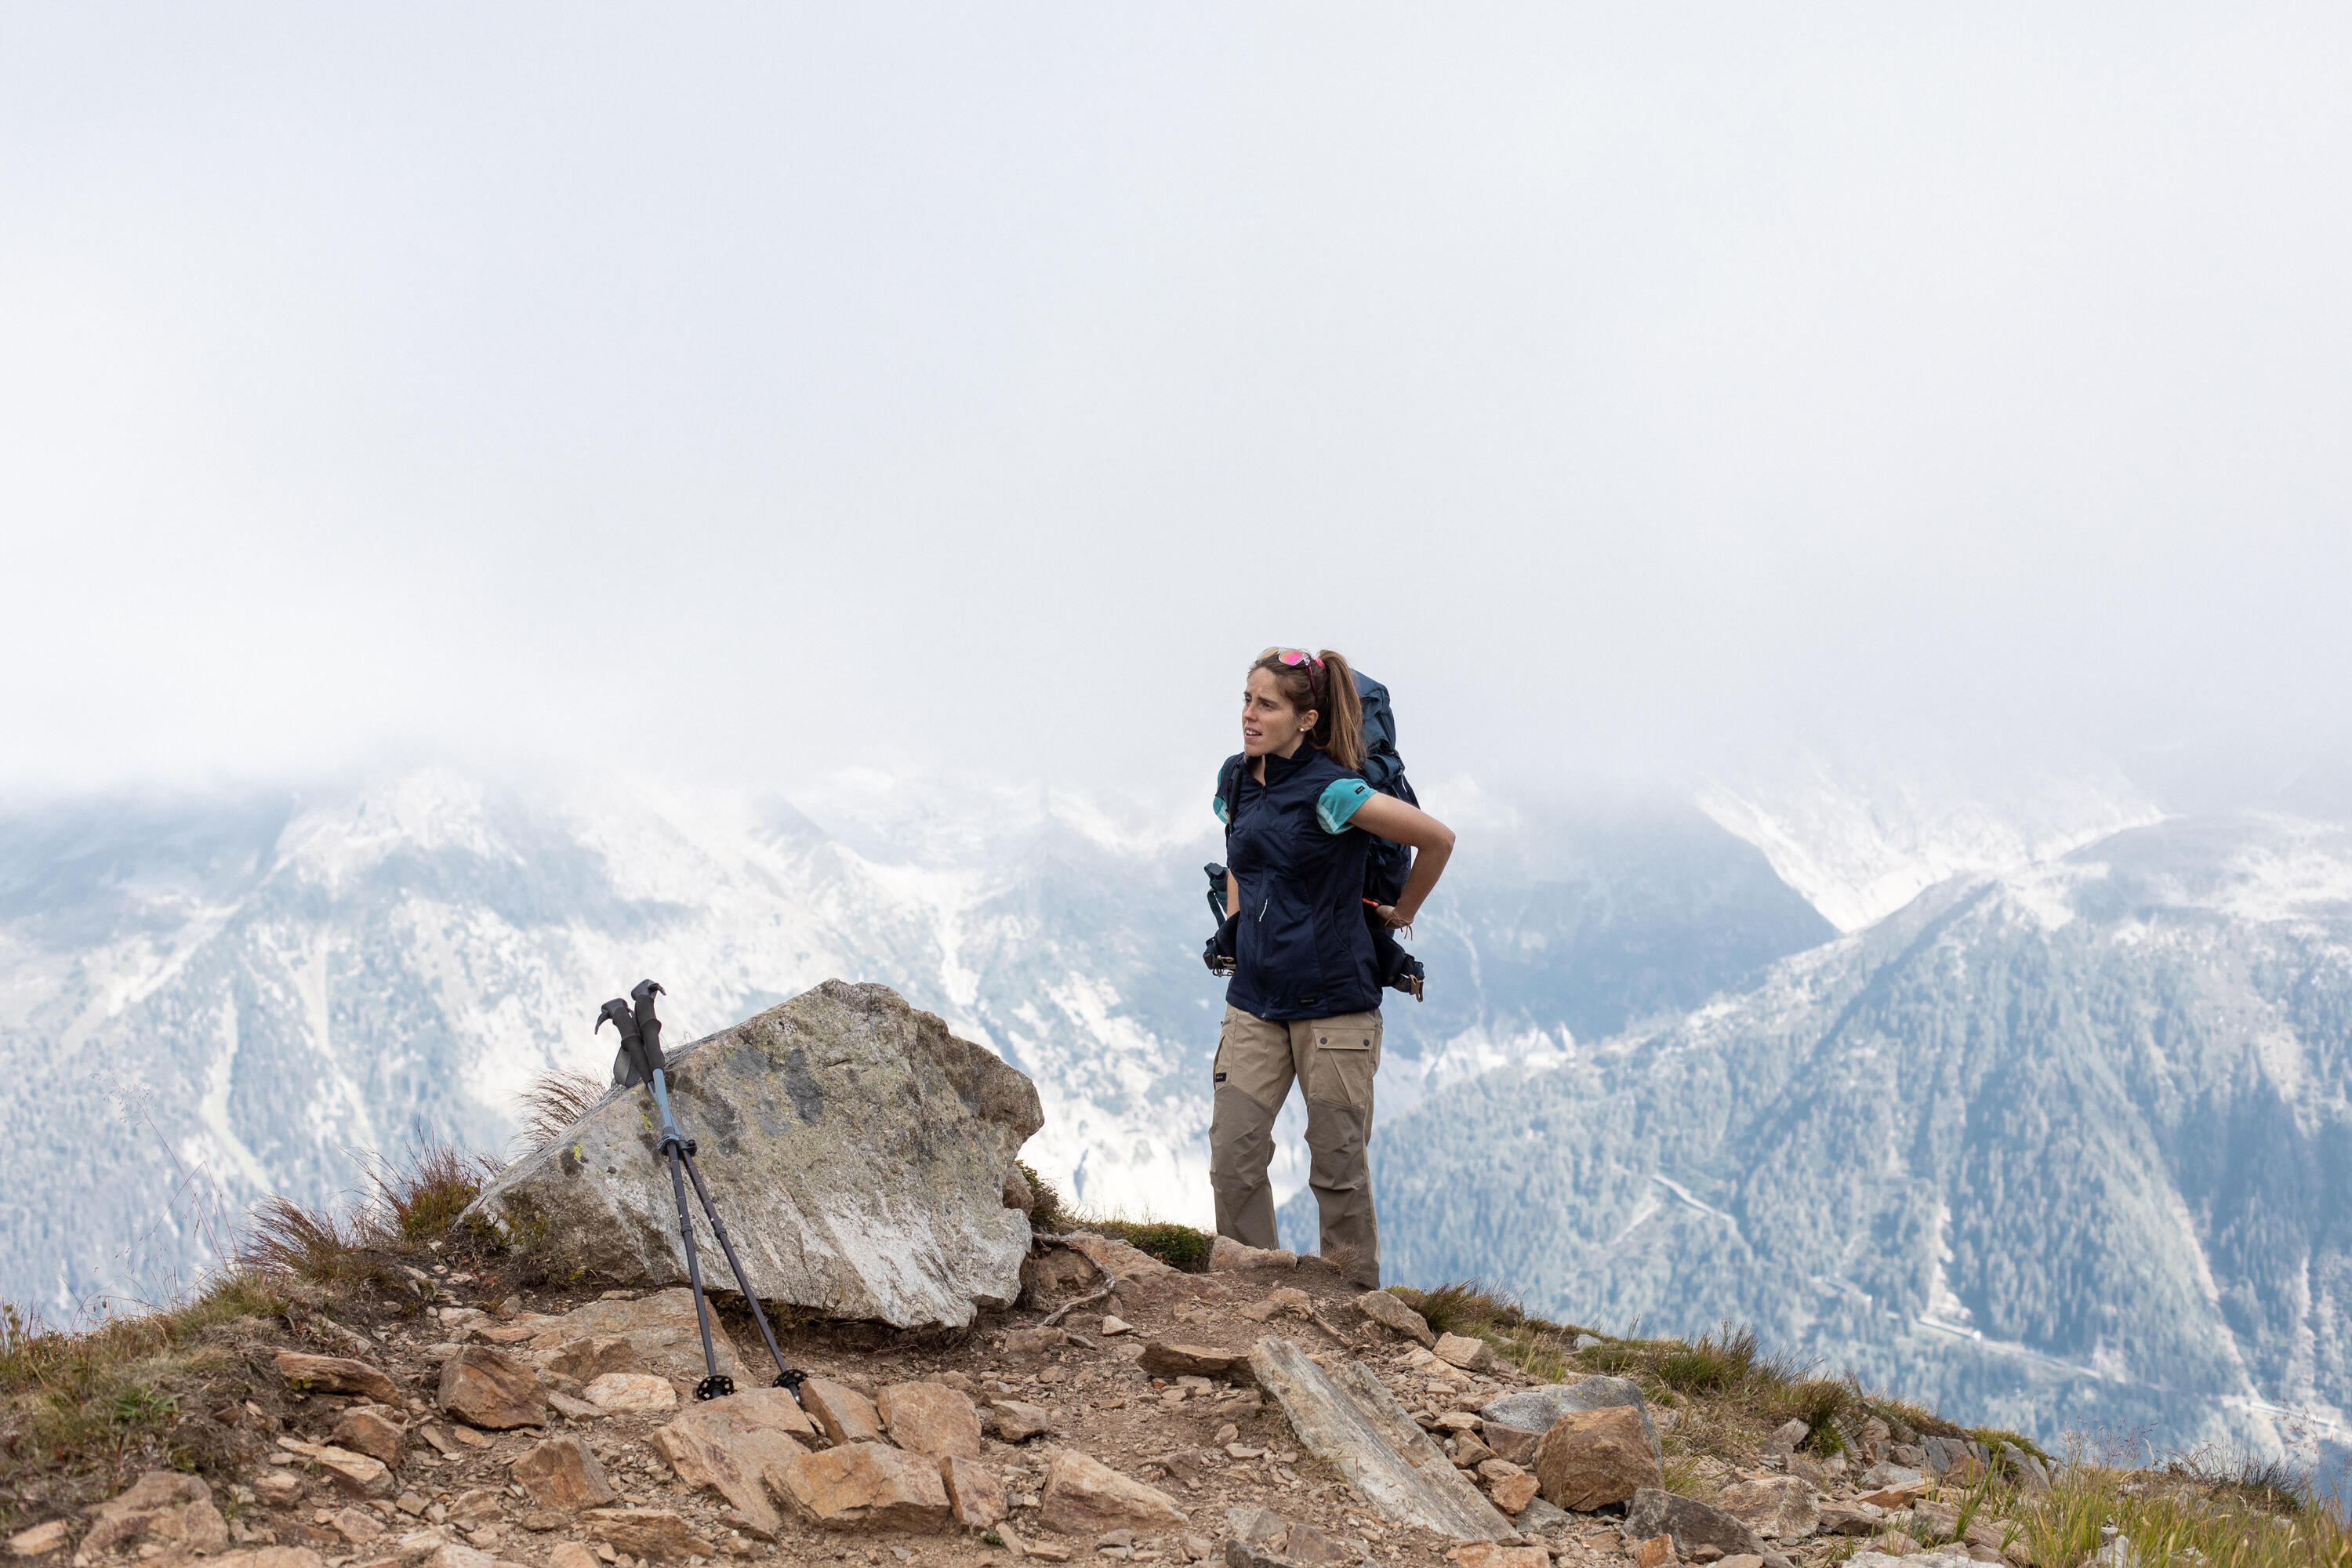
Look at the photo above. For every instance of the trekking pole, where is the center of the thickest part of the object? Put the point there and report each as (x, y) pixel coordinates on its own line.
(640, 1032)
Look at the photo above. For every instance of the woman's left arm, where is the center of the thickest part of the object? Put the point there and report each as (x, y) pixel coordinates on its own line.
(1431, 840)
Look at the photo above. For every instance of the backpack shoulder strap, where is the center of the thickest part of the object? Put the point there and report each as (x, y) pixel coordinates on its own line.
(1229, 788)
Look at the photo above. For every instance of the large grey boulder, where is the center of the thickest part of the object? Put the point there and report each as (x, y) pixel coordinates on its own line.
(855, 1148)
(1535, 1409)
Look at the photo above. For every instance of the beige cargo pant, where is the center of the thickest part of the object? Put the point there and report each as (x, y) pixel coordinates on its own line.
(1334, 1059)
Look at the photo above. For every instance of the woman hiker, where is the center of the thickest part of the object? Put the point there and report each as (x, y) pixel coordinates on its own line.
(1304, 1000)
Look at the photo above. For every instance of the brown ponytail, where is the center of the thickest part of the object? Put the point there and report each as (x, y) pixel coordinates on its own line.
(1339, 732)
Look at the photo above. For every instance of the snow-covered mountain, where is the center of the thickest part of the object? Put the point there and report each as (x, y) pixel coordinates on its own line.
(2065, 1146)
(231, 997)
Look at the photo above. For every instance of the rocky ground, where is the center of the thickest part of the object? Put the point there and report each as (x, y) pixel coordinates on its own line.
(1126, 1410)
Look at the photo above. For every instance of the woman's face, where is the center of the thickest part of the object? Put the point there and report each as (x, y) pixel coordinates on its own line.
(1270, 725)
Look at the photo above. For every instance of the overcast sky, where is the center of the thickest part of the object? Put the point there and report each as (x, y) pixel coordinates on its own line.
(1632, 386)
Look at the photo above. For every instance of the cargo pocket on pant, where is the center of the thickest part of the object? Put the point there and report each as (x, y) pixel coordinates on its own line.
(1347, 1055)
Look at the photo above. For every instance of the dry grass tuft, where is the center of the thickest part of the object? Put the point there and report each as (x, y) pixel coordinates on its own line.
(2242, 1511)
(420, 1197)
(553, 1104)
(283, 1239)
(410, 1201)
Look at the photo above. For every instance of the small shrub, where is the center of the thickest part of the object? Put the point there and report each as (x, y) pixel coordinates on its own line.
(1046, 1203)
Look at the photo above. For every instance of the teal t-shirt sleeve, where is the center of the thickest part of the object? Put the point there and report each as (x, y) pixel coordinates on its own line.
(1339, 803)
(1217, 805)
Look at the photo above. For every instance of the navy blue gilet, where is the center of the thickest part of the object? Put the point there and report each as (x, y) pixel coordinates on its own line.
(1301, 950)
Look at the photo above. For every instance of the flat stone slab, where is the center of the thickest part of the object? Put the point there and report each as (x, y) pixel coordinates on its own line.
(1348, 1420)
(856, 1148)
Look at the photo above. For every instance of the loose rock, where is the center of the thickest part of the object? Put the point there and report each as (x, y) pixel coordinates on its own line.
(1693, 1524)
(1017, 1420)
(1351, 1422)
(1512, 1493)
(1590, 1458)
(1391, 1313)
(1142, 1277)
(41, 1540)
(631, 1393)
(364, 1429)
(1469, 1355)
(1516, 1444)
(591, 1356)
(271, 1557)
(975, 1495)
(159, 1504)
(1161, 1360)
(1781, 1508)
(449, 1554)
(659, 1329)
(1029, 1345)
(928, 1418)
(485, 1387)
(862, 1484)
(358, 1474)
(647, 1532)
(1084, 1497)
(845, 1415)
(356, 1525)
(562, 1472)
(336, 1374)
(1852, 1519)
(1491, 1554)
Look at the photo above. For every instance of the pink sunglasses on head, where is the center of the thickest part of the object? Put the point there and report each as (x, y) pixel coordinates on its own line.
(1297, 657)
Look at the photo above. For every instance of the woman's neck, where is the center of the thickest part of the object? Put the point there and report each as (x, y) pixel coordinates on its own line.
(1286, 754)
